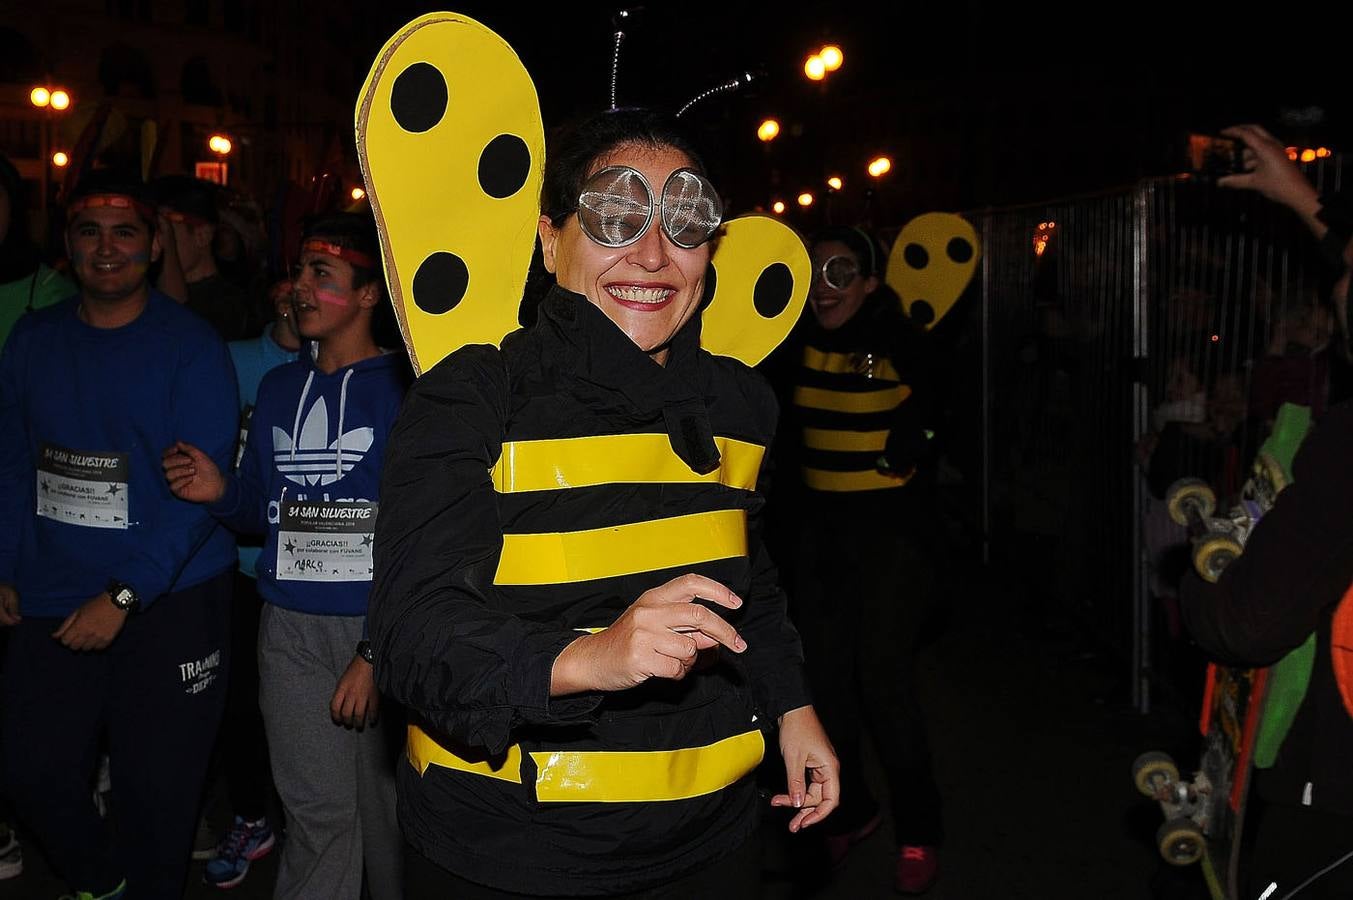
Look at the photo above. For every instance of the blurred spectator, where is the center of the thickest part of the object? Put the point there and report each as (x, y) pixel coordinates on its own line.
(26, 283)
(115, 593)
(1293, 580)
(864, 582)
(243, 747)
(189, 220)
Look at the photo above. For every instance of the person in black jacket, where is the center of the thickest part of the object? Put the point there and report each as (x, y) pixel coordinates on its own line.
(571, 594)
(864, 583)
(1293, 580)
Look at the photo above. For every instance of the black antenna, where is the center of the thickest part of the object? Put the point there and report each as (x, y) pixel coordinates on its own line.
(621, 18)
(742, 80)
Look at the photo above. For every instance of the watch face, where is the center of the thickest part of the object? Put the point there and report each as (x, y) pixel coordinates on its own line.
(124, 598)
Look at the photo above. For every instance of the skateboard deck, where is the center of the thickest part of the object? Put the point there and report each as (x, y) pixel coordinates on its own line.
(1204, 816)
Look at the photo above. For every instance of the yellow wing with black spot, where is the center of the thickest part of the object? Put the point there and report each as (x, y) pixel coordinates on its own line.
(452, 149)
(931, 263)
(761, 275)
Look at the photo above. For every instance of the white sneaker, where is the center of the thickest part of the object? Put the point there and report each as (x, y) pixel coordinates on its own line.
(11, 857)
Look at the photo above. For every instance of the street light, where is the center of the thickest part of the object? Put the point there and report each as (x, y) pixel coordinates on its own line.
(880, 166)
(357, 193)
(768, 130)
(835, 182)
(50, 101)
(831, 57)
(778, 207)
(60, 159)
(805, 199)
(219, 143)
(815, 68)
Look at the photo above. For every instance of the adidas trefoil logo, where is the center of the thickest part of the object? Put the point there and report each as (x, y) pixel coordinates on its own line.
(316, 457)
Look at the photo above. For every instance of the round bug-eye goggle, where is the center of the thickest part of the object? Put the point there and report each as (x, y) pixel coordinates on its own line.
(616, 207)
(837, 272)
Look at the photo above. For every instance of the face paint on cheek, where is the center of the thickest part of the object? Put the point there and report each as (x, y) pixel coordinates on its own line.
(328, 293)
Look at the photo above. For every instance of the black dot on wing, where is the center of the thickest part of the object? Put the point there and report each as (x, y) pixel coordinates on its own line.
(916, 256)
(711, 284)
(440, 283)
(504, 166)
(774, 288)
(418, 98)
(959, 250)
(921, 312)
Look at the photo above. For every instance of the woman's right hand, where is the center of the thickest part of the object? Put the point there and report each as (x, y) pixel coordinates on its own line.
(192, 475)
(659, 636)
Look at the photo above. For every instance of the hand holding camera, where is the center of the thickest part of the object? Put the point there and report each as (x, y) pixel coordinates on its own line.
(1268, 170)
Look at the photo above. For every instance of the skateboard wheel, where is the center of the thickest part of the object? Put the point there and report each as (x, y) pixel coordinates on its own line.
(1190, 491)
(1268, 469)
(1151, 769)
(1213, 554)
(1181, 842)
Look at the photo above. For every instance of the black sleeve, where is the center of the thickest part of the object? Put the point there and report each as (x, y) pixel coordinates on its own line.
(911, 434)
(443, 646)
(1297, 563)
(773, 660)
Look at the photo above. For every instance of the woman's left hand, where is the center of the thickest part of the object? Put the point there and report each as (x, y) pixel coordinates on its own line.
(806, 749)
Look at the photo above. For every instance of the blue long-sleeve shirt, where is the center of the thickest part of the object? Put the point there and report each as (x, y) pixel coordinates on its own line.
(86, 414)
(253, 359)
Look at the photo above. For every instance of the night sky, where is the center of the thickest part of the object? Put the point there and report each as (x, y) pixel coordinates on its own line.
(977, 107)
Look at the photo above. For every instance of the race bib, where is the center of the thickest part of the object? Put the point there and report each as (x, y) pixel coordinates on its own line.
(81, 488)
(325, 541)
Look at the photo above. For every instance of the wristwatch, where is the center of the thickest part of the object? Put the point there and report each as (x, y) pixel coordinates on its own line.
(123, 597)
(364, 651)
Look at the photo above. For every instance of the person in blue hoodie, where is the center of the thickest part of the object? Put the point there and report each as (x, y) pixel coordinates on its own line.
(309, 482)
(243, 748)
(115, 591)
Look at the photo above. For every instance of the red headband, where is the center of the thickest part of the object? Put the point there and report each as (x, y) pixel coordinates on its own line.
(356, 257)
(112, 201)
(174, 215)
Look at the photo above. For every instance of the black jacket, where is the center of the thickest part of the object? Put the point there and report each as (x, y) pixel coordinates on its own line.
(471, 512)
(1297, 565)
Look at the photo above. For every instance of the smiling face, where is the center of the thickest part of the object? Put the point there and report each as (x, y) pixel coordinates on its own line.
(650, 288)
(110, 250)
(834, 307)
(323, 299)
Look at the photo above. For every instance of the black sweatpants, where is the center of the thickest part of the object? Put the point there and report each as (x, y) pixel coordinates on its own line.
(157, 691)
(862, 594)
(243, 746)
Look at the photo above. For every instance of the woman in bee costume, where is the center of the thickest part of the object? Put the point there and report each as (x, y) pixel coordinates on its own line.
(571, 594)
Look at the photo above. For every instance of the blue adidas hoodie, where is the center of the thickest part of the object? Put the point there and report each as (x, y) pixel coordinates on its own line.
(310, 479)
(85, 414)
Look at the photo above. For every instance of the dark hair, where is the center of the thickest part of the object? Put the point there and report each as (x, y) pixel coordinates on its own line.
(113, 181)
(18, 254)
(575, 148)
(187, 195)
(865, 247)
(352, 231)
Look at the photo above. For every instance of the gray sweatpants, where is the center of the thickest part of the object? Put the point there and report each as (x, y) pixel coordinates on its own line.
(337, 784)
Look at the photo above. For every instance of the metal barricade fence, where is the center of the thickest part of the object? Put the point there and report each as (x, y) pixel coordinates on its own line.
(1129, 338)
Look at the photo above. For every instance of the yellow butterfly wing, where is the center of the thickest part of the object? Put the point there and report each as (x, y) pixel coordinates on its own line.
(761, 275)
(452, 149)
(931, 263)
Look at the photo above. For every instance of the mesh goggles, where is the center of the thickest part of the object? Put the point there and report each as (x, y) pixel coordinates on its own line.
(616, 207)
(837, 272)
